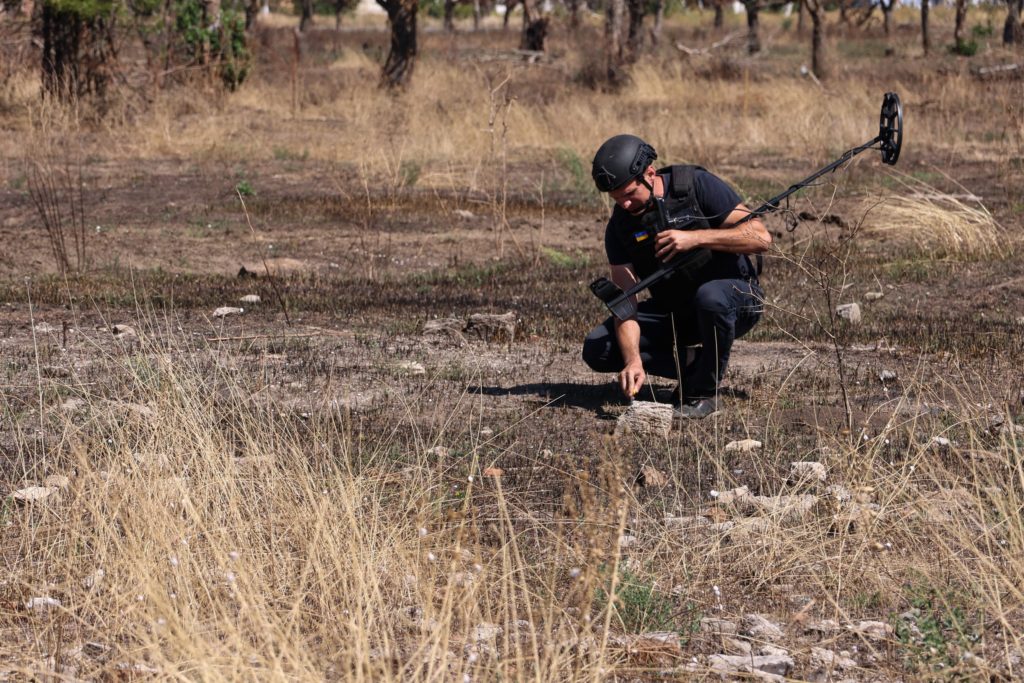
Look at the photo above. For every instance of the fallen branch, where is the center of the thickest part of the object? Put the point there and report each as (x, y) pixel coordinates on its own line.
(693, 51)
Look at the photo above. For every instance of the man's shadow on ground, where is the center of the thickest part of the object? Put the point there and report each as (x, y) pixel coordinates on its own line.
(596, 398)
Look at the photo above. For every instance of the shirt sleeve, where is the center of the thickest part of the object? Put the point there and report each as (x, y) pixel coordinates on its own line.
(714, 197)
(613, 247)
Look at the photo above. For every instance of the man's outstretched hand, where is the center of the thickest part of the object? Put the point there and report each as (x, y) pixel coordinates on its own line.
(632, 377)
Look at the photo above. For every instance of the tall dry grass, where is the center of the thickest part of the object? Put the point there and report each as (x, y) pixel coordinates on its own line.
(209, 532)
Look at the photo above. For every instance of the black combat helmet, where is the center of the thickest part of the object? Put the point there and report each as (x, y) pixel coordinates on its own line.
(619, 160)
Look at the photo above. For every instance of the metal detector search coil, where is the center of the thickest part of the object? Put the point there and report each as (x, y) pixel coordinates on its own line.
(889, 141)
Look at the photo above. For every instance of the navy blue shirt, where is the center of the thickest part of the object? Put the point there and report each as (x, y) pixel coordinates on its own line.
(715, 199)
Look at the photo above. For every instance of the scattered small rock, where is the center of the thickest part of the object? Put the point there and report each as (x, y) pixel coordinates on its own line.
(72, 405)
(733, 664)
(463, 214)
(873, 296)
(744, 446)
(44, 328)
(411, 368)
(33, 494)
(627, 541)
(42, 604)
(251, 299)
(939, 442)
(492, 327)
(438, 451)
(718, 626)
(829, 659)
(873, 630)
(687, 523)
(760, 627)
(804, 471)
(486, 432)
(732, 496)
(645, 418)
(124, 331)
(824, 627)
(649, 476)
(225, 311)
(887, 375)
(850, 312)
(57, 481)
(494, 472)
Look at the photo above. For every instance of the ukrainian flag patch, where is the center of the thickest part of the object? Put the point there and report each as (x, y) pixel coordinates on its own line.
(641, 236)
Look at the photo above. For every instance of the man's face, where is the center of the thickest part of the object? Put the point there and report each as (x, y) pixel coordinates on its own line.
(634, 195)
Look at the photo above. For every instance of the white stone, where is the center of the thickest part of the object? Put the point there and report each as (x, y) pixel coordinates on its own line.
(57, 481)
(874, 630)
(940, 442)
(873, 296)
(887, 375)
(33, 494)
(124, 331)
(761, 628)
(720, 626)
(225, 311)
(411, 367)
(41, 604)
(744, 446)
(733, 496)
(732, 664)
(849, 312)
(251, 299)
(805, 471)
(645, 418)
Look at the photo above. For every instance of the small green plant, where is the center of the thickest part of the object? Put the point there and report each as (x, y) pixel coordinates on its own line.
(579, 177)
(936, 630)
(244, 188)
(982, 31)
(641, 606)
(409, 173)
(965, 48)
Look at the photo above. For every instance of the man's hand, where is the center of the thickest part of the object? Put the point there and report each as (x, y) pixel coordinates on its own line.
(672, 242)
(632, 377)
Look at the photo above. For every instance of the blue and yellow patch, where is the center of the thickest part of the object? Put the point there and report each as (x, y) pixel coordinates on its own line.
(641, 236)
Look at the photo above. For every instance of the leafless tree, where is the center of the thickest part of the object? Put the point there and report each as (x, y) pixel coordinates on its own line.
(886, 7)
(961, 19)
(636, 10)
(615, 12)
(402, 56)
(819, 62)
(719, 13)
(306, 6)
(1013, 33)
(925, 40)
(659, 20)
(535, 26)
(449, 16)
(753, 37)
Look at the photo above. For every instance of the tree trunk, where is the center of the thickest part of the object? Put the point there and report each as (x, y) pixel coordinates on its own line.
(535, 27)
(402, 56)
(753, 39)
(659, 20)
(925, 42)
(476, 15)
(449, 16)
(615, 10)
(819, 62)
(1011, 28)
(801, 12)
(635, 41)
(78, 52)
(887, 16)
(307, 15)
(574, 15)
(961, 19)
(719, 13)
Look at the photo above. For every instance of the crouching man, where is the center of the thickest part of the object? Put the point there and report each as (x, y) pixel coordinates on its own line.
(688, 325)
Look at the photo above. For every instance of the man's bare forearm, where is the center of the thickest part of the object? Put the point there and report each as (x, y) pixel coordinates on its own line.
(627, 333)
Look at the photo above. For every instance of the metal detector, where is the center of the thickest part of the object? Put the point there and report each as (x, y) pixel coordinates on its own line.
(889, 141)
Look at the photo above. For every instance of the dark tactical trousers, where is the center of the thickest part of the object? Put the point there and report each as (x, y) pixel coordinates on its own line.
(720, 312)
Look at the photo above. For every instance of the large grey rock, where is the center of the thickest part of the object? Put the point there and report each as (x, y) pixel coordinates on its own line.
(873, 630)
(773, 665)
(718, 626)
(645, 418)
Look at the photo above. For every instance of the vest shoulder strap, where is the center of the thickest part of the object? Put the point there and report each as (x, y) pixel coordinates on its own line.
(682, 184)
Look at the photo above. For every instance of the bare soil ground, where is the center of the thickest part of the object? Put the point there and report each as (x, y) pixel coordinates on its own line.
(339, 336)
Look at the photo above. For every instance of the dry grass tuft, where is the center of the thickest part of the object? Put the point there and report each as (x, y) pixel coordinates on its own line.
(935, 224)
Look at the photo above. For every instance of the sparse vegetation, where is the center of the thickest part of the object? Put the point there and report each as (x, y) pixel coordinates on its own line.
(350, 480)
